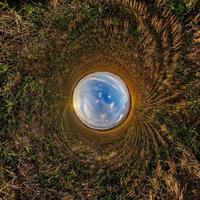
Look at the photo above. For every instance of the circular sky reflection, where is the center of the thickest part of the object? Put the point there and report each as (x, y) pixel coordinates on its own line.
(101, 100)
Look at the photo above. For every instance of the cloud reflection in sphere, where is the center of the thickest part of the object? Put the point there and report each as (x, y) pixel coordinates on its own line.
(101, 100)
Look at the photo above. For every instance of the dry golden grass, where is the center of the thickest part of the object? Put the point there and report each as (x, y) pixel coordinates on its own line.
(44, 156)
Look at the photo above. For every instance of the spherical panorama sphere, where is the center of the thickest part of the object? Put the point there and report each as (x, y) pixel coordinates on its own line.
(101, 100)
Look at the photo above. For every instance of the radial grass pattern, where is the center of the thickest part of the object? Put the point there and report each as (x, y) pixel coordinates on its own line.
(47, 154)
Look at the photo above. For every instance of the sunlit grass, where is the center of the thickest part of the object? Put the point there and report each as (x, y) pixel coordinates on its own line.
(42, 155)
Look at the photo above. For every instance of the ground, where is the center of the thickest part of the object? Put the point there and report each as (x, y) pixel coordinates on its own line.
(43, 152)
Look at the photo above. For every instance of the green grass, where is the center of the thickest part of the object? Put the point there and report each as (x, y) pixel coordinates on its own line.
(40, 159)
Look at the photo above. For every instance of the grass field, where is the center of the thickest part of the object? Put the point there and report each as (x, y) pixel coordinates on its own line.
(44, 46)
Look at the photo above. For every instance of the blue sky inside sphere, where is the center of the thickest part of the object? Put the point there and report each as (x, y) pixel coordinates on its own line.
(101, 100)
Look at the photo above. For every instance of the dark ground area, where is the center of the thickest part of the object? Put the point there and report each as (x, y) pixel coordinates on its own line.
(43, 46)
